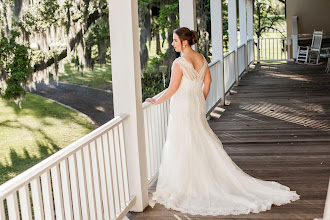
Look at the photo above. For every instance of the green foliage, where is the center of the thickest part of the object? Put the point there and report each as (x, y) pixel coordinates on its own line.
(15, 63)
(164, 13)
(156, 77)
(266, 17)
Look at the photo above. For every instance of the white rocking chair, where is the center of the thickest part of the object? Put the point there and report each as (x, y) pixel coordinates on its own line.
(311, 55)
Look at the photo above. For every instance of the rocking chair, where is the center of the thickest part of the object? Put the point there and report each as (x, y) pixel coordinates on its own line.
(311, 55)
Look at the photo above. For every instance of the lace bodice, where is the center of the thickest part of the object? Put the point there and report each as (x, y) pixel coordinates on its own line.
(188, 69)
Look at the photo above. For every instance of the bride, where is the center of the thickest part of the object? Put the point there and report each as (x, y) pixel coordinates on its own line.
(196, 175)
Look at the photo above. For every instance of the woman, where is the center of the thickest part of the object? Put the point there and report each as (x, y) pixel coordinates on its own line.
(196, 175)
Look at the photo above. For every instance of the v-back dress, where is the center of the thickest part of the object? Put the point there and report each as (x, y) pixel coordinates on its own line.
(196, 175)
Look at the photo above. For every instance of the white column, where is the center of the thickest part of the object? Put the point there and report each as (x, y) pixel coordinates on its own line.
(249, 23)
(187, 14)
(127, 93)
(242, 21)
(232, 31)
(294, 37)
(242, 29)
(249, 19)
(217, 41)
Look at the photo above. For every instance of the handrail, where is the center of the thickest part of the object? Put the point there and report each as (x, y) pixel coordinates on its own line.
(228, 53)
(214, 62)
(28, 175)
(148, 104)
(242, 45)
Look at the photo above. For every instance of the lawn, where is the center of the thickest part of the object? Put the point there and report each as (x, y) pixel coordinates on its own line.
(36, 131)
(99, 77)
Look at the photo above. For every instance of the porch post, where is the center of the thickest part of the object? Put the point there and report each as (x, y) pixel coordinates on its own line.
(249, 22)
(187, 13)
(217, 42)
(242, 29)
(242, 22)
(294, 37)
(232, 32)
(127, 93)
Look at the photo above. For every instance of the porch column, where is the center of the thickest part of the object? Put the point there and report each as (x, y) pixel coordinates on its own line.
(249, 19)
(242, 29)
(232, 32)
(242, 21)
(187, 14)
(217, 41)
(127, 93)
(249, 24)
(294, 37)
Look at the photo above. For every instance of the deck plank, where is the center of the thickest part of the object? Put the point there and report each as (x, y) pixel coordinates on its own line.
(277, 127)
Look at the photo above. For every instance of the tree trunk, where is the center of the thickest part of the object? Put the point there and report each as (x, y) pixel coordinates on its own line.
(158, 49)
(102, 50)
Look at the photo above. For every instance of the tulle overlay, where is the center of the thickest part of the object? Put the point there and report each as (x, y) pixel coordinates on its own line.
(196, 175)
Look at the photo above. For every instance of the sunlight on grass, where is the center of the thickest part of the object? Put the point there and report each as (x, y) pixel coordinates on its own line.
(99, 77)
(34, 132)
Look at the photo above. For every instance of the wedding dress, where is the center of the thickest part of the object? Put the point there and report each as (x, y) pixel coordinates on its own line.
(196, 175)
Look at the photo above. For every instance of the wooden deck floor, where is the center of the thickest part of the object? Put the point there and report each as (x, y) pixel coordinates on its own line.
(277, 127)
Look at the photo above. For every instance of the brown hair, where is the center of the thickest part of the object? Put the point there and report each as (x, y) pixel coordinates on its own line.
(186, 34)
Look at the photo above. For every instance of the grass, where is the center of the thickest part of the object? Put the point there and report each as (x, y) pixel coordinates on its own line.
(36, 131)
(99, 77)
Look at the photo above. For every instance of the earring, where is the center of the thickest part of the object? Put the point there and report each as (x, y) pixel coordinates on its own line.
(184, 46)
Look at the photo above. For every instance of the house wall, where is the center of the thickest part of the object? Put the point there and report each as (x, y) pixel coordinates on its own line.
(312, 15)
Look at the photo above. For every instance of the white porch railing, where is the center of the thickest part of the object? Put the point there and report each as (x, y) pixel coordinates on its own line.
(216, 93)
(272, 49)
(250, 51)
(229, 70)
(241, 59)
(86, 180)
(89, 178)
(155, 126)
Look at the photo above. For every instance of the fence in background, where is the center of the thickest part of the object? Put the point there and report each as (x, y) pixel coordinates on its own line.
(272, 49)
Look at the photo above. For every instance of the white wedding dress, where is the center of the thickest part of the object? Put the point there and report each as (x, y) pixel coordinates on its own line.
(196, 175)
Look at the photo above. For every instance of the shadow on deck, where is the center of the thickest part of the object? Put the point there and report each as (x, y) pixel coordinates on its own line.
(277, 127)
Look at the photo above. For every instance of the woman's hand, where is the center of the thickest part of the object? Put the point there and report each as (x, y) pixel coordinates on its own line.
(153, 101)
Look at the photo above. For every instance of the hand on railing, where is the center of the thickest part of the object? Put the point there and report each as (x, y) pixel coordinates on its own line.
(151, 100)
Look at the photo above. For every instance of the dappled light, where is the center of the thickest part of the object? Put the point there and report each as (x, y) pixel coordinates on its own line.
(291, 76)
(287, 114)
(34, 132)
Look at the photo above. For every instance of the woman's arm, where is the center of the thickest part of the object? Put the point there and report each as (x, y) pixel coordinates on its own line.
(175, 81)
(207, 82)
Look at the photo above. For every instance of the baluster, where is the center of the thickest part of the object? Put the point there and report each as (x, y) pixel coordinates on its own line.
(96, 181)
(36, 199)
(57, 189)
(74, 187)
(108, 171)
(146, 129)
(114, 171)
(47, 196)
(124, 162)
(104, 190)
(119, 168)
(12, 205)
(24, 200)
(89, 182)
(67, 202)
(2, 210)
(84, 199)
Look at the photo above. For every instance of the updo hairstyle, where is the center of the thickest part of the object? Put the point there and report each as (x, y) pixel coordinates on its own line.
(186, 34)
